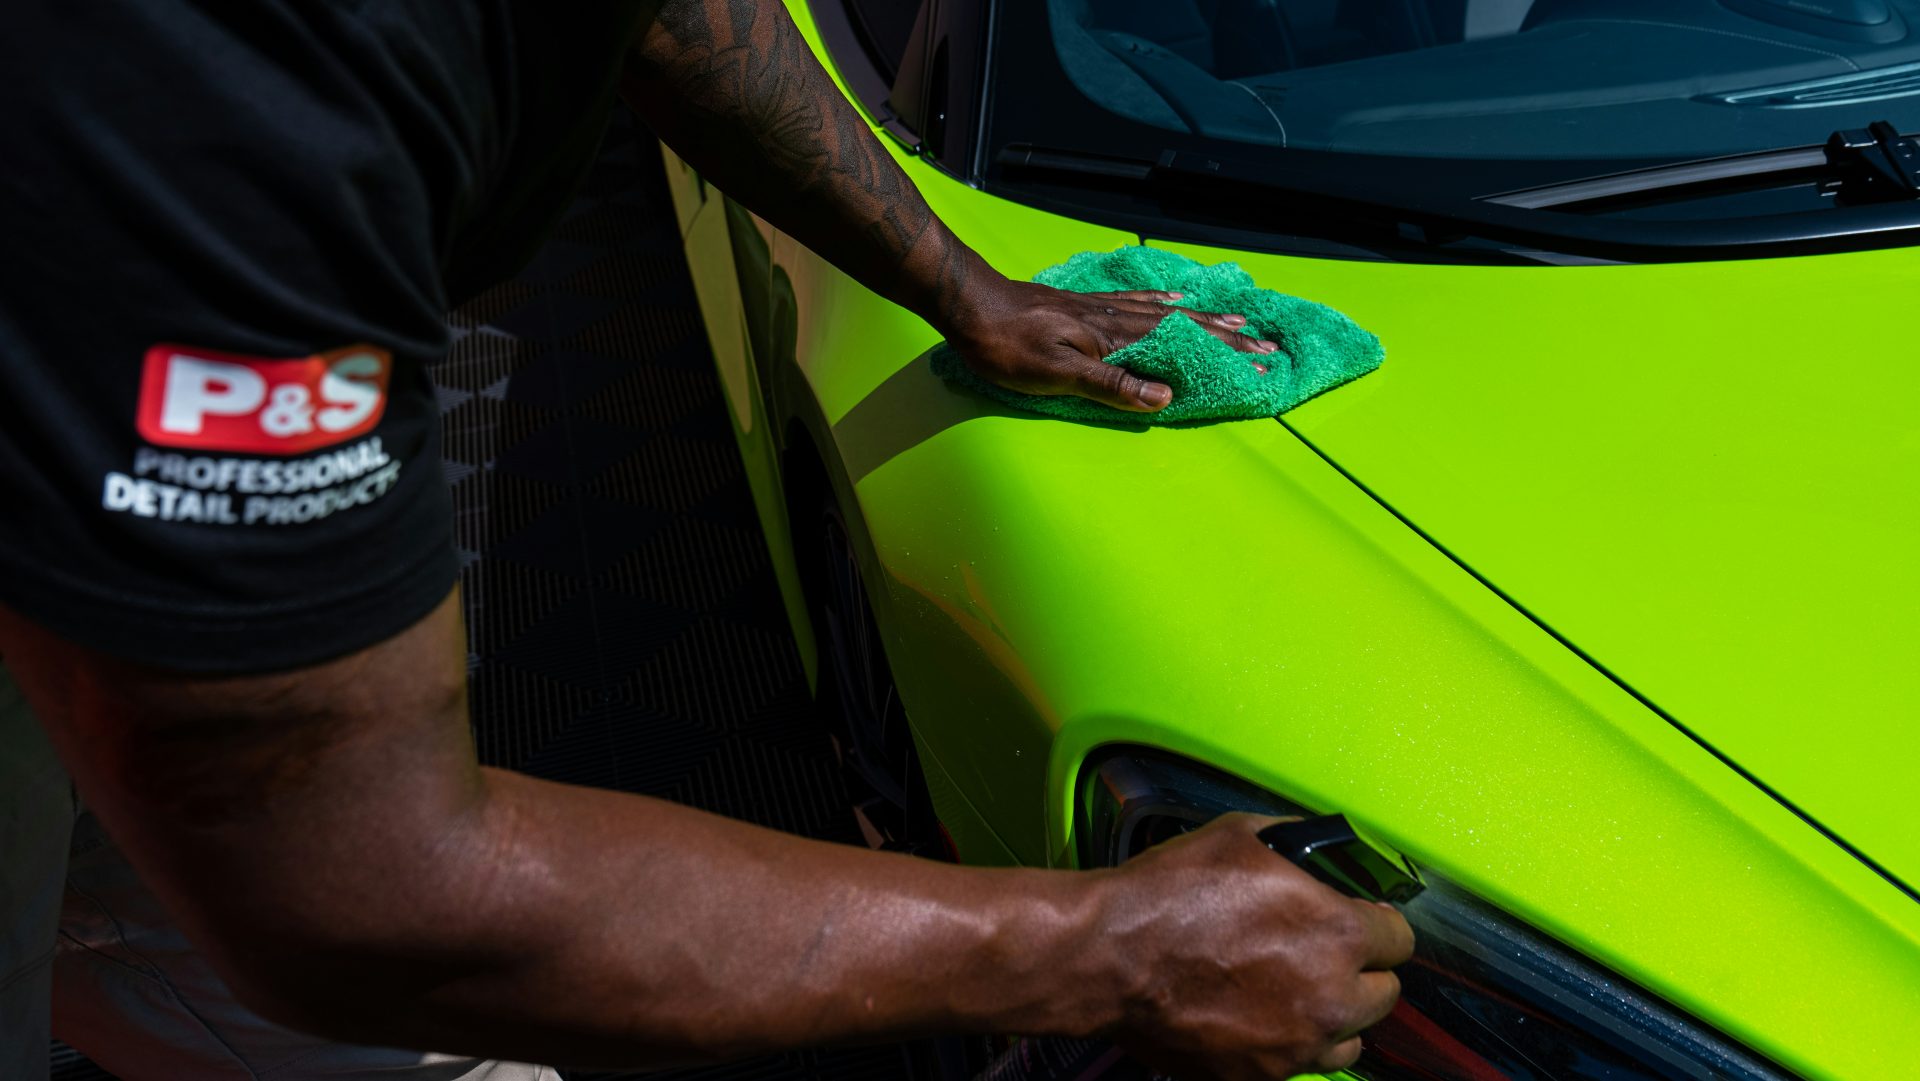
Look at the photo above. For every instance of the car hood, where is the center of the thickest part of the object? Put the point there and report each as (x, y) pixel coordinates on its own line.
(1705, 478)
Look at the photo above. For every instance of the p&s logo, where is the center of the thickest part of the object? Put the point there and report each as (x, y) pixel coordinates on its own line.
(204, 400)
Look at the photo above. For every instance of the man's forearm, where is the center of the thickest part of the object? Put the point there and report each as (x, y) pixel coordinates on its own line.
(644, 925)
(733, 88)
(328, 837)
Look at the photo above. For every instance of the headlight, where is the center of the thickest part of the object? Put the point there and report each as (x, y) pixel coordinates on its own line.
(1485, 998)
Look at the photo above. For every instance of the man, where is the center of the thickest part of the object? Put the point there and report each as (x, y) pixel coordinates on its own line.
(226, 571)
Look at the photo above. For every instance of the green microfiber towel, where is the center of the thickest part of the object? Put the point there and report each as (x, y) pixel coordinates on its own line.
(1319, 348)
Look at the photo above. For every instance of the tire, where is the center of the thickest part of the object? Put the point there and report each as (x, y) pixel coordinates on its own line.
(861, 705)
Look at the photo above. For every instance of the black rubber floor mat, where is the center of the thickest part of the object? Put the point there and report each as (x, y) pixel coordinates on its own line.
(624, 625)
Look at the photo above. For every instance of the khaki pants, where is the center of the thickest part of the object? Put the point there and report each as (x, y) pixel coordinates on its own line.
(85, 949)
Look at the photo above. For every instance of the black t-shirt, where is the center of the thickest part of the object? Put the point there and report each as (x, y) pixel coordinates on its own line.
(229, 230)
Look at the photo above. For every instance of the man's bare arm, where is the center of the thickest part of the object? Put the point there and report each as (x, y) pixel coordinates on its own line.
(328, 838)
(733, 88)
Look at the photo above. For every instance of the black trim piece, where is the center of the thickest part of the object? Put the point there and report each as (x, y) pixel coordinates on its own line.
(907, 100)
(837, 33)
(1771, 792)
(976, 132)
(957, 70)
(857, 66)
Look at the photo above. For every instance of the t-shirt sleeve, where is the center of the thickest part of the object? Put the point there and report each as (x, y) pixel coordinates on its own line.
(219, 445)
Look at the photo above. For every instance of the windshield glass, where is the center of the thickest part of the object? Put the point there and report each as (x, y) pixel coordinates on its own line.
(1640, 80)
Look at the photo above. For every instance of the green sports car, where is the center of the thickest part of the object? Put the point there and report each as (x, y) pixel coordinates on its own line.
(1598, 601)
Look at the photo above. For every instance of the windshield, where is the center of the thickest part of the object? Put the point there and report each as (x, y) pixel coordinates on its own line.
(1593, 80)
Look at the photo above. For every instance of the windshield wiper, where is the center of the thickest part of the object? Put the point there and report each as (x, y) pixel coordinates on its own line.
(1279, 191)
(1871, 165)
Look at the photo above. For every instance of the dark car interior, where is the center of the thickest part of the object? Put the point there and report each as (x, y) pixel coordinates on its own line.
(1498, 78)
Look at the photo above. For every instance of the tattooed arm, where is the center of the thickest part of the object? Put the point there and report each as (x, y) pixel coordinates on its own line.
(325, 836)
(328, 839)
(732, 87)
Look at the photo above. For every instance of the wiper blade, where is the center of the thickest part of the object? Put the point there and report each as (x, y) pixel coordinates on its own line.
(1274, 191)
(1874, 164)
(1676, 181)
(1078, 162)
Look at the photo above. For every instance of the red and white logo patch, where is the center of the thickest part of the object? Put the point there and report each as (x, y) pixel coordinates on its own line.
(205, 400)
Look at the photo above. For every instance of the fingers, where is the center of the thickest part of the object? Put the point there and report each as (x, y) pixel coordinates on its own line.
(1111, 384)
(1119, 319)
(1378, 993)
(1389, 938)
(1129, 316)
(1148, 296)
(1156, 304)
(1214, 320)
(1250, 823)
(1123, 323)
(1339, 1057)
(1217, 325)
(1118, 328)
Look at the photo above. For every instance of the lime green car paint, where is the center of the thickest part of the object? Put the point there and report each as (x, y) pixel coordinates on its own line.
(726, 286)
(1705, 481)
(1698, 476)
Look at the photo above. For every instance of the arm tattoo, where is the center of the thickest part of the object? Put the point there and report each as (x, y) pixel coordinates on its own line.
(738, 93)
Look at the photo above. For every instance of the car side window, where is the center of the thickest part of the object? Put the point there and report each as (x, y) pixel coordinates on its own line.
(883, 27)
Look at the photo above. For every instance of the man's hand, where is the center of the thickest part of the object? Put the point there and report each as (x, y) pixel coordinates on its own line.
(1247, 967)
(326, 836)
(1038, 340)
(733, 89)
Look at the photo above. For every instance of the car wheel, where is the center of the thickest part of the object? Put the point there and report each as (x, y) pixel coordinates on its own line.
(862, 706)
